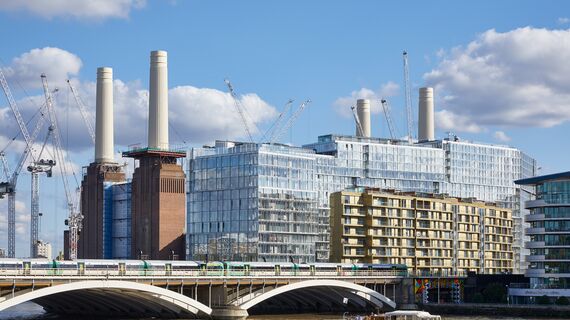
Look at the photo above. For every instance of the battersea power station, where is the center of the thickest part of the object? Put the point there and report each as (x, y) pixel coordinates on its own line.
(267, 201)
(144, 218)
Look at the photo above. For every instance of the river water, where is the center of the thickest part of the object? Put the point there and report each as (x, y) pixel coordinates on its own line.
(31, 311)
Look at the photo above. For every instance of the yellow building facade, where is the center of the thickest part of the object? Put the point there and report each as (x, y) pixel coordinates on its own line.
(431, 234)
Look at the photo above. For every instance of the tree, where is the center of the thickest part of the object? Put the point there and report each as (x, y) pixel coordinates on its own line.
(478, 298)
(543, 300)
(562, 301)
(495, 293)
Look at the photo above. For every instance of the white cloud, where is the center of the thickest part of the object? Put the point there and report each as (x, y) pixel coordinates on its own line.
(502, 136)
(203, 115)
(342, 105)
(450, 121)
(94, 9)
(197, 115)
(563, 20)
(515, 78)
(57, 64)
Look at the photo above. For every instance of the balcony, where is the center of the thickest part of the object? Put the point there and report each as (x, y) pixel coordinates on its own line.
(530, 231)
(534, 217)
(534, 244)
(534, 273)
(532, 258)
(535, 203)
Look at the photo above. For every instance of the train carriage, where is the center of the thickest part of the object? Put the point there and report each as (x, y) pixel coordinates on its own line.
(101, 267)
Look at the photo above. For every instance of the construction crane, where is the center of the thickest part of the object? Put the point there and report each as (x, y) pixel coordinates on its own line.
(279, 133)
(75, 217)
(239, 108)
(408, 94)
(277, 124)
(35, 168)
(5, 186)
(10, 185)
(357, 120)
(84, 115)
(386, 109)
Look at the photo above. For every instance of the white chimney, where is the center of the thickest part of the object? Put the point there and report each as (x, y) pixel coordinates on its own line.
(426, 129)
(104, 116)
(363, 112)
(158, 101)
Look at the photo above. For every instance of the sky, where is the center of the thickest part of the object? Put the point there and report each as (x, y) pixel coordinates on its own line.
(499, 69)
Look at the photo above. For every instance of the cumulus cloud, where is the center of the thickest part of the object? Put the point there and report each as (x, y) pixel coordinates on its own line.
(203, 114)
(515, 78)
(197, 115)
(563, 20)
(450, 121)
(342, 105)
(502, 136)
(58, 65)
(96, 10)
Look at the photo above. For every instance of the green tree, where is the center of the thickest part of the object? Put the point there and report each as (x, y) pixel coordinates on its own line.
(495, 293)
(562, 301)
(478, 298)
(543, 300)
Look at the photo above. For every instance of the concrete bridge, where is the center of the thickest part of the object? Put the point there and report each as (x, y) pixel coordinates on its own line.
(206, 297)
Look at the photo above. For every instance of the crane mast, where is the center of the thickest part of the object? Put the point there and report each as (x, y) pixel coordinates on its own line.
(74, 220)
(357, 120)
(239, 108)
(279, 133)
(35, 168)
(83, 112)
(386, 109)
(407, 90)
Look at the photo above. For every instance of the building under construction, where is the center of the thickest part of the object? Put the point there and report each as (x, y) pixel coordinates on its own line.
(267, 201)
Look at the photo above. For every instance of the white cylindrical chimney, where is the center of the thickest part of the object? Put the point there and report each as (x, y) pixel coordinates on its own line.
(104, 116)
(363, 112)
(426, 129)
(158, 101)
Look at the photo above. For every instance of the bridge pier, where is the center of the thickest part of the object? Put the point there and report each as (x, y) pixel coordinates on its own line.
(229, 313)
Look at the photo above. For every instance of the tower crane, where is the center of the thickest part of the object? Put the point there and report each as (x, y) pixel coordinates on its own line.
(357, 120)
(407, 90)
(10, 186)
(35, 168)
(386, 109)
(239, 108)
(279, 133)
(277, 124)
(75, 217)
(84, 115)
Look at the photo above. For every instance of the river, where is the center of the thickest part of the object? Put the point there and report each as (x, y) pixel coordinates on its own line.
(31, 311)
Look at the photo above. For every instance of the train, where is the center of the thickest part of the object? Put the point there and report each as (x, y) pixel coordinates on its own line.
(94, 267)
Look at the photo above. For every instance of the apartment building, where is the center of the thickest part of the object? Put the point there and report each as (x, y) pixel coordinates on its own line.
(429, 233)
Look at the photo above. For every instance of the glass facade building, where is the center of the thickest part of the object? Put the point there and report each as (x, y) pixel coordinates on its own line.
(549, 232)
(252, 202)
(282, 192)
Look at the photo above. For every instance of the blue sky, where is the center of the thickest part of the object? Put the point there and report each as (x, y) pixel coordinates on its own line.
(499, 69)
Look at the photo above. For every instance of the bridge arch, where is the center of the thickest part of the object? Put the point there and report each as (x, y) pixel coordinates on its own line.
(313, 290)
(100, 297)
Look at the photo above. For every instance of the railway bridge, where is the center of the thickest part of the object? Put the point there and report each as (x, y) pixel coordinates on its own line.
(204, 296)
